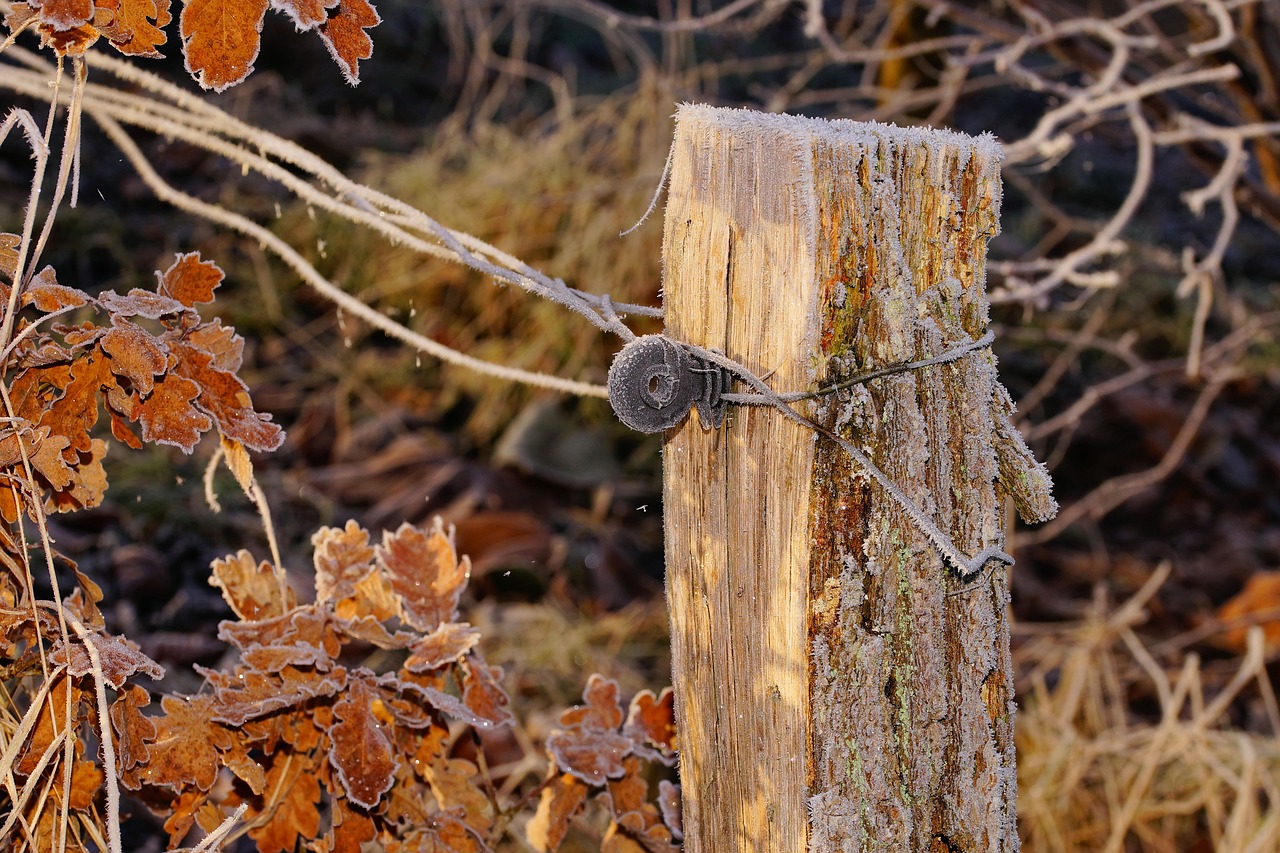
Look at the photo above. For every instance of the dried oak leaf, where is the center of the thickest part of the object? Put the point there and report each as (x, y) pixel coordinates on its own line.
(652, 721)
(120, 658)
(133, 729)
(179, 823)
(86, 779)
(225, 398)
(361, 751)
(293, 817)
(9, 243)
(309, 625)
(248, 693)
(425, 573)
(220, 342)
(141, 303)
(670, 806)
(443, 832)
(483, 694)
(135, 355)
(44, 292)
(65, 14)
(305, 14)
(1259, 597)
(344, 34)
(50, 726)
(250, 587)
(443, 646)
(76, 411)
(221, 39)
(185, 751)
(351, 828)
(89, 481)
(189, 280)
(134, 27)
(558, 804)
(168, 414)
(590, 747)
(342, 558)
(452, 782)
(640, 820)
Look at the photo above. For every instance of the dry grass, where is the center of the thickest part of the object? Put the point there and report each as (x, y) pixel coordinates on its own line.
(557, 197)
(1095, 775)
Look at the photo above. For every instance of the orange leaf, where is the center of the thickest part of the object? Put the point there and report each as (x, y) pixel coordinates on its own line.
(425, 573)
(120, 658)
(89, 482)
(342, 558)
(135, 355)
(250, 694)
(221, 39)
(344, 34)
(590, 747)
(351, 828)
(226, 399)
(250, 587)
(183, 818)
(305, 14)
(135, 27)
(482, 693)
(361, 751)
(442, 647)
(133, 731)
(44, 292)
(652, 720)
(190, 280)
(65, 14)
(1259, 603)
(560, 801)
(294, 815)
(452, 782)
(9, 243)
(86, 779)
(185, 749)
(76, 411)
(220, 342)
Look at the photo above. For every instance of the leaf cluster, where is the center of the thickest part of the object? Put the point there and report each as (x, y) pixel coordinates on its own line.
(221, 39)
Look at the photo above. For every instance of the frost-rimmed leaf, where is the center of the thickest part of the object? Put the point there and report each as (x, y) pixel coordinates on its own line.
(590, 747)
(345, 37)
(483, 694)
(250, 587)
(651, 721)
(249, 694)
(221, 40)
(120, 658)
(343, 557)
(441, 647)
(425, 573)
(189, 280)
(361, 751)
(557, 805)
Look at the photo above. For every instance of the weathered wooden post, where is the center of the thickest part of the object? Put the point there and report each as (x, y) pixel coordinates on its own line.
(839, 686)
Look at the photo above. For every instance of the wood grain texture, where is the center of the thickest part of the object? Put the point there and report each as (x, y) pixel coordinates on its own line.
(838, 686)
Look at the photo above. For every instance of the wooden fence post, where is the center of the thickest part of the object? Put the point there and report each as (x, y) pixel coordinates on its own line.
(839, 686)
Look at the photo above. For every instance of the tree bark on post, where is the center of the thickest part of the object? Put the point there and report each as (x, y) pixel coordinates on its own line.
(839, 686)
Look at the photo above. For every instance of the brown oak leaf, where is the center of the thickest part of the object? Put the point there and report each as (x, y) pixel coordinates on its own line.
(220, 342)
(590, 746)
(342, 558)
(134, 355)
(185, 750)
(44, 292)
(361, 752)
(76, 411)
(189, 280)
(9, 243)
(133, 730)
(305, 14)
(344, 34)
(141, 303)
(293, 816)
(483, 694)
(670, 805)
(250, 587)
(120, 658)
(443, 646)
(65, 14)
(135, 27)
(221, 39)
(248, 693)
(225, 398)
(652, 720)
(424, 571)
(558, 804)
